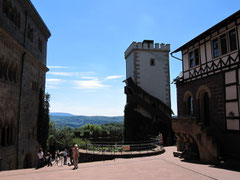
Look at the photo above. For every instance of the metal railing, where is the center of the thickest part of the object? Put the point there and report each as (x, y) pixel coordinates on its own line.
(120, 148)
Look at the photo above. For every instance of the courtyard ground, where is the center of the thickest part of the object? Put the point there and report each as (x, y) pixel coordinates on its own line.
(163, 166)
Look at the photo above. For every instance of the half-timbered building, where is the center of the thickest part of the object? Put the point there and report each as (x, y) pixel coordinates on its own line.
(208, 93)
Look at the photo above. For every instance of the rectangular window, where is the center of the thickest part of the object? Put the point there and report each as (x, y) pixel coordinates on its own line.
(223, 41)
(194, 58)
(196, 54)
(215, 48)
(152, 62)
(233, 40)
(191, 59)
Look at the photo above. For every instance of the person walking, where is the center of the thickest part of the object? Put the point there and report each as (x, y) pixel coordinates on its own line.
(49, 159)
(65, 156)
(75, 154)
(70, 154)
(40, 158)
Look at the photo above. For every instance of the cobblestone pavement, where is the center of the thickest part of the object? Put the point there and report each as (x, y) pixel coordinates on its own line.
(163, 166)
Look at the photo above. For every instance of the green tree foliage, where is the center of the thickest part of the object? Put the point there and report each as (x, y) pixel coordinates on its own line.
(59, 139)
(43, 118)
(106, 130)
(92, 130)
(64, 138)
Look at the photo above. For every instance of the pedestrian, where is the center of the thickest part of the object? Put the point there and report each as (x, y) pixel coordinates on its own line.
(40, 158)
(70, 152)
(75, 156)
(49, 159)
(65, 156)
(57, 155)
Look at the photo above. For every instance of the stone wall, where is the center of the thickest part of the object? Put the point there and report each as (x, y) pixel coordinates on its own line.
(215, 83)
(22, 75)
(216, 130)
(148, 65)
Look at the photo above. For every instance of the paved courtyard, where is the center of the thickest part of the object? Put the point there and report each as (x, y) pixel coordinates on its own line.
(163, 166)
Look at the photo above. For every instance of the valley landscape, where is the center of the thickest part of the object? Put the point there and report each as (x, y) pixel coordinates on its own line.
(75, 121)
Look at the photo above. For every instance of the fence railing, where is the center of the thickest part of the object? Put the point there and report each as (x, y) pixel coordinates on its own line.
(120, 148)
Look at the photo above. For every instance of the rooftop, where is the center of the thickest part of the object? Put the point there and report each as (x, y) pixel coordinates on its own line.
(209, 31)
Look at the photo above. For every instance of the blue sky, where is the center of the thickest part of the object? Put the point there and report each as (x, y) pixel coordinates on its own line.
(86, 49)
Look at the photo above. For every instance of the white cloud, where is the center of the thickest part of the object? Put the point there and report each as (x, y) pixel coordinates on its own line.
(88, 77)
(57, 67)
(54, 83)
(61, 73)
(89, 84)
(114, 77)
(54, 80)
(85, 74)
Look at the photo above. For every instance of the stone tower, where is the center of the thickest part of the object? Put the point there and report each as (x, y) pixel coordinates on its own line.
(148, 65)
(148, 109)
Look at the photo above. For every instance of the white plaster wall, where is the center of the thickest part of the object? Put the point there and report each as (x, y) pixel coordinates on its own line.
(202, 51)
(130, 66)
(230, 77)
(231, 92)
(238, 30)
(232, 124)
(238, 76)
(232, 107)
(185, 62)
(155, 79)
(209, 51)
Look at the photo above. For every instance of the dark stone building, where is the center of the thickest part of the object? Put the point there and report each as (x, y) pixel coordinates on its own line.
(145, 116)
(23, 47)
(208, 125)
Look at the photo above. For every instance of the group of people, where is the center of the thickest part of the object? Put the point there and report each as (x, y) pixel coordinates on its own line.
(44, 159)
(73, 154)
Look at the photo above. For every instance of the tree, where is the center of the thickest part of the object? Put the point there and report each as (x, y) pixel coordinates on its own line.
(43, 118)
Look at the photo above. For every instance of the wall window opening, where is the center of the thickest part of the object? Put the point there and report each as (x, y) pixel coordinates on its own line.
(189, 106)
(223, 41)
(215, 48)
(152, 62)
(233, 40)
(224, 44)
(194, 58)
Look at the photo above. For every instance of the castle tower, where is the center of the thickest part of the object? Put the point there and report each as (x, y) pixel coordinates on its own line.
(148, 65)
(148, 109)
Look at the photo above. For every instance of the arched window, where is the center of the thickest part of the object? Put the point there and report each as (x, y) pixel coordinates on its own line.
(190, 105)
(203, 96)
(188, 102)
(15, 71)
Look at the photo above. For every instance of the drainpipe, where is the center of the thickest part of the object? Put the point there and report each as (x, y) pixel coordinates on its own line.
(20, 87)
(175, 56)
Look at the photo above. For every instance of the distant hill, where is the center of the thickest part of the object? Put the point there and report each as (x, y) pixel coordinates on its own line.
(78, 121)
(61, 114)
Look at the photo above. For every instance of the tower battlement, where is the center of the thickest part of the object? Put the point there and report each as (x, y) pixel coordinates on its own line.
(147, 44)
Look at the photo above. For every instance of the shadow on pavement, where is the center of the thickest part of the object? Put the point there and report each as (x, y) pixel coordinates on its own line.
(232, 165)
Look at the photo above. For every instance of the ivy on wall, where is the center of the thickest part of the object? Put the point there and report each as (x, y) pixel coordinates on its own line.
(43, 118)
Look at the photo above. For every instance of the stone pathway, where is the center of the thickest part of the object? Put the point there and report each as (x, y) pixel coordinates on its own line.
(163, 166)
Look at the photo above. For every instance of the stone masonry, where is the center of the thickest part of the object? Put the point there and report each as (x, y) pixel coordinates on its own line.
(23, 46)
